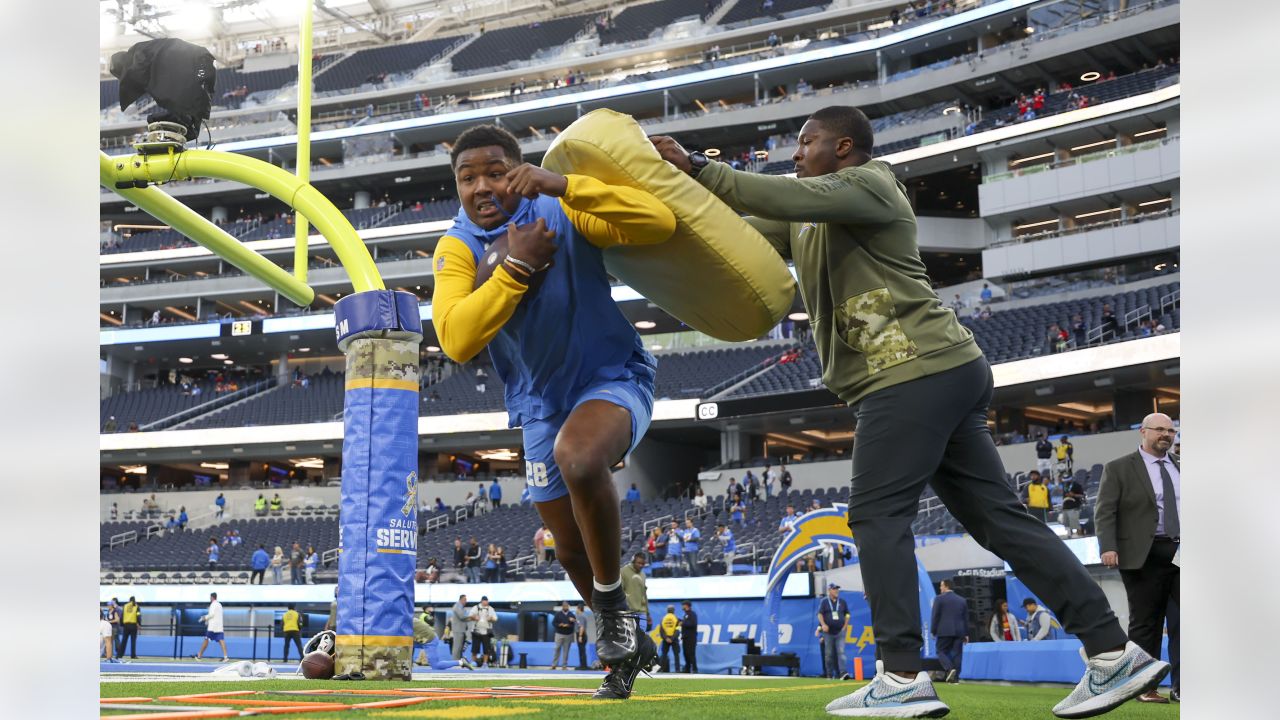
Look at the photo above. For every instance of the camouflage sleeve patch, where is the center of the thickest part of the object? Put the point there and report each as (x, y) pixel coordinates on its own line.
(869, 324)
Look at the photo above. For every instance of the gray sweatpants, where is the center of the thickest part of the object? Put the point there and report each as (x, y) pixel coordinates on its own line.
(563, 644)
(934, 430)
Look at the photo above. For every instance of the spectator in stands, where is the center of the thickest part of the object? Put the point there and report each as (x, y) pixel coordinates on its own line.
(1066, 453)
(473, 561)
(481, 375)
(260, 506)
(296, 562)
(482, 498)
(814, 504)
(259, 563)
(1039, 624)
(1044, 455)
(221, 503)
(675, 550)
(1056, 339)
(495, 494)
(767, 477)
(669, 634)
(539, 545)
(440, 506)
(1072, 502)
(115, 510)
(472, 503)
(724, 536)
(549, 546)
(491, 563)
(1036, 497)
(1110, 326)
(1078, 330)
(278, 562)
(738, 511)
(565, 624)
(1003, 626)
(895, 16)
(788, 520)
(212, 552)
(309, 564)
(784, 480)
(659, 540)
(985, 295)
(690, 538)
(773, 40)
(459, 557)
(182, 518)
(733, 488)
(753, 486)
(502, 564)
(699, 501)
(110, 425)
(633, 495)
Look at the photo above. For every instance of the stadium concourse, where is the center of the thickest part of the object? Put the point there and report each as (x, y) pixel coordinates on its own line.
(1038, 145)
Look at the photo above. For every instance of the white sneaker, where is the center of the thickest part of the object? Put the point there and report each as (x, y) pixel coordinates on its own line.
(1107, 684)
(887, 696)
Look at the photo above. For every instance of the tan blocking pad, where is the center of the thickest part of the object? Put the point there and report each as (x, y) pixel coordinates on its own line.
(716, 273)
(379, 657)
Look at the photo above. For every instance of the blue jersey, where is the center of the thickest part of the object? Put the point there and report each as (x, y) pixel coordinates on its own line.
(570, 334)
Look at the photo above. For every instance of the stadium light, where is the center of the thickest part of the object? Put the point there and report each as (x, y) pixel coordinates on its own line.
(1090, 76)
(798, 316)
(646, 324)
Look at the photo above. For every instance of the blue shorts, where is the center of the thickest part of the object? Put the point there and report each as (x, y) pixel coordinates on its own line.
(541, 474)
(214, 636)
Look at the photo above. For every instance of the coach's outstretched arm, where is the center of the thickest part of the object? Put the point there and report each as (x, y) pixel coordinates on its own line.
(862, 194)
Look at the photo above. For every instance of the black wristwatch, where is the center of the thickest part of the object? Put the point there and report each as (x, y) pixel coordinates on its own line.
(698, 160)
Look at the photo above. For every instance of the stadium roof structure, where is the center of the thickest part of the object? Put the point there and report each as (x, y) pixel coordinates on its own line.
(125, 22)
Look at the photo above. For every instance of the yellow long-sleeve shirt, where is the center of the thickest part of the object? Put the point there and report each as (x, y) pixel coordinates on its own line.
(466, 319)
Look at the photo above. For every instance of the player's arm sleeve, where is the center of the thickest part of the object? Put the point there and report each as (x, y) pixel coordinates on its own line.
(467, 320)
(1104, 513)
(609, 215)
(855, 195)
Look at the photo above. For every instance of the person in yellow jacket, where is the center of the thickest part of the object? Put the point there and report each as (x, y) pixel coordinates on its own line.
(669, 633)
(290, 624)
(129, 622)
(1037, 497)
(260, 505)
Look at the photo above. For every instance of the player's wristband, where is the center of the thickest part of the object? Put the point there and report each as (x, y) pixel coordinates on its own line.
(516, 269)
(529, 269)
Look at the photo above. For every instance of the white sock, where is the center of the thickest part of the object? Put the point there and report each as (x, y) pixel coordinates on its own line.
(1108, 656)
(606, 588)
(894, 677)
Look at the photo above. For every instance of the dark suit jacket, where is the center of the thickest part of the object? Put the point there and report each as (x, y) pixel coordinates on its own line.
(1126, 513)
(950, 617)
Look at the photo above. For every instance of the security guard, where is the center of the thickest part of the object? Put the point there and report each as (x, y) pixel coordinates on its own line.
(669, 632)
(290, 624)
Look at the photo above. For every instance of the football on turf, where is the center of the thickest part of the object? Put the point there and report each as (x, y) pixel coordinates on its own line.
(317, 665)
(493, 257)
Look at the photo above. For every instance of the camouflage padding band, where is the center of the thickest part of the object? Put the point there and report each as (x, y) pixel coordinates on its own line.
(376, 358)
(869, 324)
(377, 662)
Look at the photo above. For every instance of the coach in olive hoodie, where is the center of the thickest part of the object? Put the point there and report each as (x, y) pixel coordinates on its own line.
(919, 383)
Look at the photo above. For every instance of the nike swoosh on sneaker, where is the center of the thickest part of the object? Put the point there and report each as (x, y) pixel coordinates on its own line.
(871, 694)
(1100, 688)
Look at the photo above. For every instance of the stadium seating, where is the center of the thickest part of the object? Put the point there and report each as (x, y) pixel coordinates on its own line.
(690, 374)
(321, 401)
(754, 9)
(430, 211)
(230, 79)
(640, 21)
(497, 48)
(108, 93)
(356, 69)
(184, 550)
(457, 394)
(1143, 81)
(147, 406)
(1007, 335)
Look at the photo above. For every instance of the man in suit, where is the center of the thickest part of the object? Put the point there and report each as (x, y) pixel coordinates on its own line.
(1139, 532)
(950, 625)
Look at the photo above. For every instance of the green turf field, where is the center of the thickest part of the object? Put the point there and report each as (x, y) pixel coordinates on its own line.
(738, 699)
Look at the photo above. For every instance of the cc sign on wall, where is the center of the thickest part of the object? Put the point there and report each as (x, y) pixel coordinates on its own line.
(708, 411)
